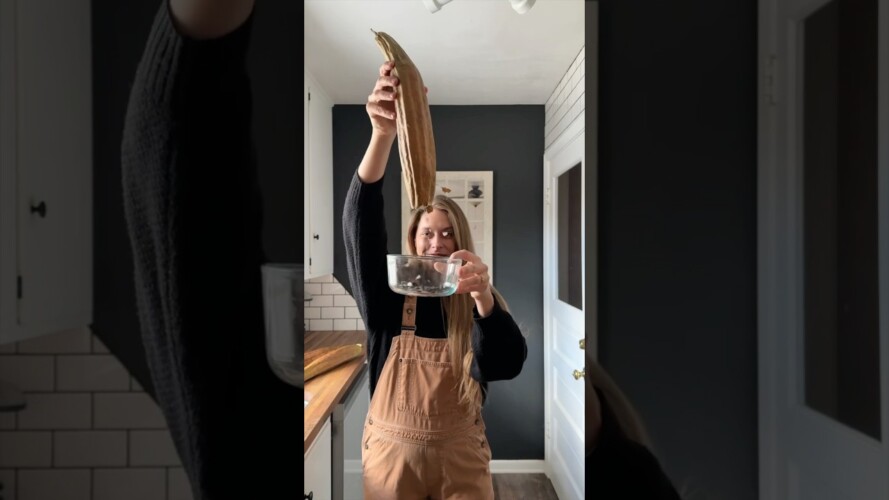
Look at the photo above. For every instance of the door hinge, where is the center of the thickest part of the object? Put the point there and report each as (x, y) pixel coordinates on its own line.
(310, 96)
(770, 82)
(19, 287)
(310, 261)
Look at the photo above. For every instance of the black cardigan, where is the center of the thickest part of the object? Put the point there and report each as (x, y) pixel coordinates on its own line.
(193, 210)
(498, 346)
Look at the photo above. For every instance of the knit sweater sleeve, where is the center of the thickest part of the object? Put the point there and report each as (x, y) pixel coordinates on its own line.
(364, 235)
(498, 346)
(193, 212)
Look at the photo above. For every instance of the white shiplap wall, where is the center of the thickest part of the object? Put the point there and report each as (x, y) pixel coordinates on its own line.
(566, 101)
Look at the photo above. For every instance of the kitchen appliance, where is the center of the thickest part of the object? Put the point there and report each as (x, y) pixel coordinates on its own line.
(283, 300)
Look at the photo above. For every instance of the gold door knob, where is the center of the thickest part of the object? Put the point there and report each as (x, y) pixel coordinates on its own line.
(578, 374)
(583, 343)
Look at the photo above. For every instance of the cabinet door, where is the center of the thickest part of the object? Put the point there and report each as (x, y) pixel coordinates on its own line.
(47, 222)
(319, 193)
(318, 463)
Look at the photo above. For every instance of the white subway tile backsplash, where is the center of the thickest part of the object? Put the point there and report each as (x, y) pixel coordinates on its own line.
(99, 347)
(94, 372)
(322, 301)
(344, 324)
(359, 324)
(332, 289)
(312, 289)
(7, 421)
(55, 484)
(56, 411)
(126, 410)
(130, 484)
(327, 278)
(313, 313)
(7, 480)
(352, 313)
(27, 372)
(178, 487)
(332, 313)
(343, 301)
(90, 449)
(68, 341)
(152, 448)
(320, 325)
(25, 449)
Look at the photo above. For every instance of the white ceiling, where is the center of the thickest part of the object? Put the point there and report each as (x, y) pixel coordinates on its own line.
(470, 52)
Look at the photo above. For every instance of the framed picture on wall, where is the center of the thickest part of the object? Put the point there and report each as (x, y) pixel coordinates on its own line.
(473, 192)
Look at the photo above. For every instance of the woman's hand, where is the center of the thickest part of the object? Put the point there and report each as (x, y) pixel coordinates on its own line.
(473, 278)
(381, 102)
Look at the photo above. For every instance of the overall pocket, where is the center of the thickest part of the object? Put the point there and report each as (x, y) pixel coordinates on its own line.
(426, 388)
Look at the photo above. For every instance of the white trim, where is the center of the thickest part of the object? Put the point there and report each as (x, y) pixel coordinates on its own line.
(517, 466)
(567, 138)
(9, 323)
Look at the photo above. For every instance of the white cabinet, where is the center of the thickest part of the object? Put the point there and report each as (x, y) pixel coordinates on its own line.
(45, 167)
(318, 179)
(318, 473)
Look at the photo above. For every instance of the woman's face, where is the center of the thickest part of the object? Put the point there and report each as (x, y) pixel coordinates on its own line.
(435, 236)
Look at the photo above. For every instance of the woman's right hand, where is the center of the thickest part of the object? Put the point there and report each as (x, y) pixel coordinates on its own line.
(381, 102)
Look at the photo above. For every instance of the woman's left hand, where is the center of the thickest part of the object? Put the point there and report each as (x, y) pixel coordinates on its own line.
(473, 275)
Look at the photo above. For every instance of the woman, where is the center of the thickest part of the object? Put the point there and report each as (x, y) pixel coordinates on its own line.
(619, 463)
(430, 358)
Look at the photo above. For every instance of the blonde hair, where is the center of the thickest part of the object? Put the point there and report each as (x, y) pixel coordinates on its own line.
(458, 307)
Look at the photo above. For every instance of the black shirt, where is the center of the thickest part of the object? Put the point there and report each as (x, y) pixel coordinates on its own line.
(498, 345)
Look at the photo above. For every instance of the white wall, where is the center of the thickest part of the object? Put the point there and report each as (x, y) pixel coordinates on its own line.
(566, 101)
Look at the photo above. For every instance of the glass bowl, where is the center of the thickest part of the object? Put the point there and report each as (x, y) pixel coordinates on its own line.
(423, 276)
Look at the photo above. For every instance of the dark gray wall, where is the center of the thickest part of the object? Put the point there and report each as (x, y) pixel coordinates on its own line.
(509, 141)
(677, 228)
(120, 30)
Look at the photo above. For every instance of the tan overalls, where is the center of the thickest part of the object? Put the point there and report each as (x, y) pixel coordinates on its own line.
(419, 442)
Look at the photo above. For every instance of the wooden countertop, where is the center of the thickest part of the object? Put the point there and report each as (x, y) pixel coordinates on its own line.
(330, 388)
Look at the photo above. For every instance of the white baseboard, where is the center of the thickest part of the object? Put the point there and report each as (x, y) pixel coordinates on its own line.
(517, 467)
(497, 467)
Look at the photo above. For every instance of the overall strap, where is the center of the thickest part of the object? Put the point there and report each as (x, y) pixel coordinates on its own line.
(409, 315)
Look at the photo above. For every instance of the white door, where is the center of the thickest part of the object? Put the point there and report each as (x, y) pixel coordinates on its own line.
(824, 250)
(46, 167)
(319, 189)
(563, 311)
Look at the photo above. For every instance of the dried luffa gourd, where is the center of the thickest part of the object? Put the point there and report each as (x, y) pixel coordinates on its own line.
(416, 146)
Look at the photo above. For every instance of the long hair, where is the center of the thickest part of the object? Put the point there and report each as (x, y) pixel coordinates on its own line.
(457, 307)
